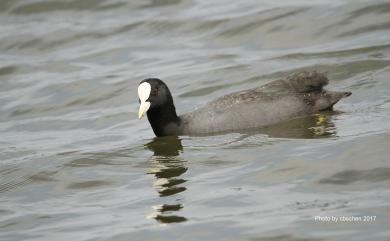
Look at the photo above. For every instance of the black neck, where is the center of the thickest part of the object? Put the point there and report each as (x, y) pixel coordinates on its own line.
(162, 116)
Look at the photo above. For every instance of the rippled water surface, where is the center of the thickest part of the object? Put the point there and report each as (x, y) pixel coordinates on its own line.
(77, 164)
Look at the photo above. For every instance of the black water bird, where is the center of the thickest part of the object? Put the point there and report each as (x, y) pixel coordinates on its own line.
(297, 95)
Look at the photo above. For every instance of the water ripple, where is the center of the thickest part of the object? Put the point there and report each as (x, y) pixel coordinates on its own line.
(76, 163)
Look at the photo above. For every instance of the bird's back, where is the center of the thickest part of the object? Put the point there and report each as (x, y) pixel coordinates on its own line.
(297, 95)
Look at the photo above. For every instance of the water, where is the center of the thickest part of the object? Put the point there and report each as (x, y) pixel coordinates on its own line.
(77, 164)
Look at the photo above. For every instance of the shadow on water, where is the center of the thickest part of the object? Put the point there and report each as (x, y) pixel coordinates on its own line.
(167, 168)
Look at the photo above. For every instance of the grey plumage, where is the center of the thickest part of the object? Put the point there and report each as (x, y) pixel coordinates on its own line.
(298, 94)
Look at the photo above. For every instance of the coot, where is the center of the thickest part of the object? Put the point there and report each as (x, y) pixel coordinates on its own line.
(297, 95)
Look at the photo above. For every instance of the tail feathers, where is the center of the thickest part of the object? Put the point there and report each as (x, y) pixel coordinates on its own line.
(329, 98)
(346, 94)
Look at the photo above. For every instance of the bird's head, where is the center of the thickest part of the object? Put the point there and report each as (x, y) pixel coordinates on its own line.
(153, 93)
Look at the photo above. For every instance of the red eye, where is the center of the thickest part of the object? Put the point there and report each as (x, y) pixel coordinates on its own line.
(154, 92)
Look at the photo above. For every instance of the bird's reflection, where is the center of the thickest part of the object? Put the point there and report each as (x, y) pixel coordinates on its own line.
(307, 127)
(167, 167)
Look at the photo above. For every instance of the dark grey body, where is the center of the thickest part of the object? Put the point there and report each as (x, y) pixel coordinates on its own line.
(297, 95)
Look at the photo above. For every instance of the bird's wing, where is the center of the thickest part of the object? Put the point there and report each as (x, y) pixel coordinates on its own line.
(301, 82)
